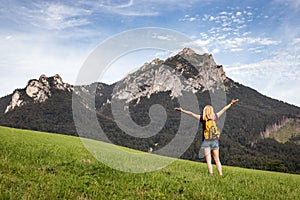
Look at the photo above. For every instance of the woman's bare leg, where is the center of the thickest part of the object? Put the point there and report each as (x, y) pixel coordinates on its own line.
(208, 160)
(217, 161)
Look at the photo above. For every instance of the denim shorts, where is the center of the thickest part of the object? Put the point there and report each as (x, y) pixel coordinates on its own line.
(212, 144)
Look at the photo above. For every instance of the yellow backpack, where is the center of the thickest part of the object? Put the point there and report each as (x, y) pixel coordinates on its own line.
(211, 131)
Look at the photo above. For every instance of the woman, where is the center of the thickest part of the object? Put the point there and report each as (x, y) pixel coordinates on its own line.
(210, 145)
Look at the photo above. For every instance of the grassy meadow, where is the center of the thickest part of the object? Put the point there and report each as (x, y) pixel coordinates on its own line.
(36, 165)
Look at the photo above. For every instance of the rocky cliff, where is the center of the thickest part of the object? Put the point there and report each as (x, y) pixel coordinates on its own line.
(187, 71)
(38, 91)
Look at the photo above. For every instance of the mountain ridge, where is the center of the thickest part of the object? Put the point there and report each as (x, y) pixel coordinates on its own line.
(37, 90)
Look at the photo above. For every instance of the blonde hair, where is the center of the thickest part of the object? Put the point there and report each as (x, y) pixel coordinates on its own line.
(208, 113)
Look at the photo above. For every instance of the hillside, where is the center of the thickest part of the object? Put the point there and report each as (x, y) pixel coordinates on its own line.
(48, 104)
(288, 131)
(36, 165)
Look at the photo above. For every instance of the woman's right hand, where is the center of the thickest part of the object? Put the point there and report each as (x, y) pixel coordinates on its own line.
(178, 109)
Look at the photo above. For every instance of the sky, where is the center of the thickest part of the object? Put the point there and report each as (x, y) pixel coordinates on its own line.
(257, 42)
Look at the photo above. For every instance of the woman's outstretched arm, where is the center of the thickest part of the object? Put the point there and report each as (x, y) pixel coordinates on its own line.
(189, 113)
(221, 112)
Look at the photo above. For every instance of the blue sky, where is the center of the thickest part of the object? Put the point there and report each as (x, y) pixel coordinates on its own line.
(257, 42)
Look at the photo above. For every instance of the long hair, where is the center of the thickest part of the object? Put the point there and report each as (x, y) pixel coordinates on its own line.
(208, 113)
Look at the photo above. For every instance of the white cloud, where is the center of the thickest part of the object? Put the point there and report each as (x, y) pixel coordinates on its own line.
(9, 37)
(238, 13)
(225, 13)
(200, 42)
(53, 16)
(227, 32)
(203, 35)
(138, 8)
(211, 18)
(257, 40)
(163, 37)
(26, 56)
(189, 18)
(227, 29)
(282, 64)
(192, 19)
(224, 43)
(255, 49)
(292, 3)
(222, 37)
(296, 41)
(237, 49)
(227, 23)
(277, 77)
(215, 51)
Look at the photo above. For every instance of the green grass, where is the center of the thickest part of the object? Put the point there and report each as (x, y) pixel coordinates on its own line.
(35, 165)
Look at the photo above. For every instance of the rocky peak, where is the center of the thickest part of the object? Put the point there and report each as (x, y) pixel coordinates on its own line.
(156, 61)
(58, 83)
(186, 71)
(187, 51)
(16, 101)
(37, 90)
(43, 79)
(152, 64)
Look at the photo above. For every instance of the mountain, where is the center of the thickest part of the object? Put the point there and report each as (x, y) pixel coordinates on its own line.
(130, 112)
(44, 104)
